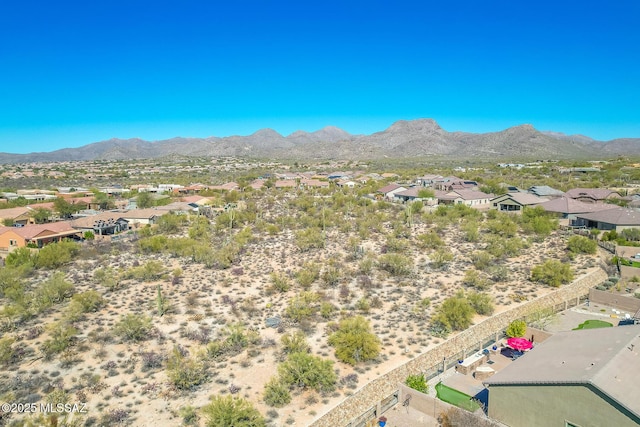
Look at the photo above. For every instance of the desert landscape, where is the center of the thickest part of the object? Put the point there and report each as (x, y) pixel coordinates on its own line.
(145, 328)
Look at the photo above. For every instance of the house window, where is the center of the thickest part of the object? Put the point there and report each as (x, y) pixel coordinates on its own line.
(13, 243)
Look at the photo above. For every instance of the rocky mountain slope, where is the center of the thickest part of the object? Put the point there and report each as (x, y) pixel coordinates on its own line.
(403, 139)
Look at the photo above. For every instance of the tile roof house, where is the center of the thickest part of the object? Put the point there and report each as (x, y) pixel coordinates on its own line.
(18, 215)
(568, 208)
(577, 378)
(388, 191)
(592, 195)
(515, 202)
(36, 234)
(286, 183)
(616, 218)
(471, 198)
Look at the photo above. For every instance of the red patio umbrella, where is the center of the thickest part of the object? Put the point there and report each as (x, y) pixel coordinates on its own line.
(520, 344)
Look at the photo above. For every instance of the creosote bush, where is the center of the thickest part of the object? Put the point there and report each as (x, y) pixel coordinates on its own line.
(231, 411)
(133, 327)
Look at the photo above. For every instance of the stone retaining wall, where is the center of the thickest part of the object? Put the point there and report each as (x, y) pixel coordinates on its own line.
(371, 394)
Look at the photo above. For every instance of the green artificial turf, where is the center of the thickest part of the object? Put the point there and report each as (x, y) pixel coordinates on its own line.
(593, 324)
(456, 398)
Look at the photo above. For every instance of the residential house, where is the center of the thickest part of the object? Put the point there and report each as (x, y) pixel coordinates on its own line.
(346, 183)
(567, 208)
(137, 217)
(182, 208)
(408, 195)
(515, 202)
(286, 183)
(316, 183)
(616, 219)
(389, 191)
(427, 180)
(104, 223)
(257, 184)
(228, 186)
(471, 198)
(545, 191)
(16, 216)
(36, 235)
(592, 195)
(577, 378)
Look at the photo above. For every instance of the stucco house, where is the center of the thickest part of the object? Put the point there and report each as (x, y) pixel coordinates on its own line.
(471, 198)
(577, 378)
(592, 195)
(105, 223)
(515, 202)
(389, 191)
(567, 208)
(611, 219)
(36, 234)
(18, 215)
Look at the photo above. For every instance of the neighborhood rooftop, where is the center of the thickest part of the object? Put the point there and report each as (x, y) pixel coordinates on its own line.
(606, 358)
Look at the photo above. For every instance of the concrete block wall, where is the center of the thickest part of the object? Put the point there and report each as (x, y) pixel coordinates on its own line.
(371, 394)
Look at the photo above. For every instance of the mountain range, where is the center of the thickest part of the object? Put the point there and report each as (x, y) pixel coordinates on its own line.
(403, 139)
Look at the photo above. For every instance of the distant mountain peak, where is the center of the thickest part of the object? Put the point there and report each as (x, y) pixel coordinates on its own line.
(403, 139)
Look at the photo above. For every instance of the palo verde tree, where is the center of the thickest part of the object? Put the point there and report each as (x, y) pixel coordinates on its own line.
(354, 341)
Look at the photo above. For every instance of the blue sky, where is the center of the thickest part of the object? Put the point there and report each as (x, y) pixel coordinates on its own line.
(72, 73)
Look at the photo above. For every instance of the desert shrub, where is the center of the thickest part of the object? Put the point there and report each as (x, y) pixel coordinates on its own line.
(307, 371)
(186, 372)
(631, 234)
(395, 264)
(310, 238)
(309, 273)
(279, 283)
(6, 350)
(20, 256)
(55, 255)
(231, 411)
(354, 341)
(395, 245)
(441, 258)
(303, 306)
(552, 272)
(62, 335)
(517, 328)
(189, 415)
(171, 223)
(88, 301)
(473, 279)
(417, 382)
(499, 273)
(481, 302)
(582, 245)
(148, 272)
(502, 247)
(482, 260)
(133, 327)
(503, 226)
(454, 314)
(430, 240)
(331, 275)
(295, 342)
(153, 244)
(276, 393)
(470, 231)
(52, 291)
(326, 310)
